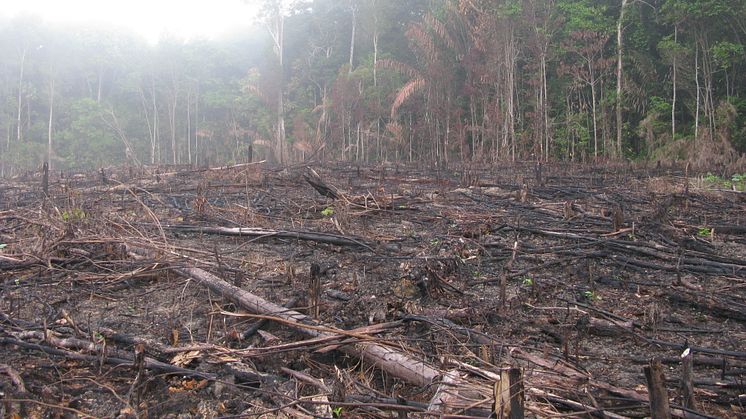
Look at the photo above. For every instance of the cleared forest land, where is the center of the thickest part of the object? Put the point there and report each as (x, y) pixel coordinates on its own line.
(372, 291)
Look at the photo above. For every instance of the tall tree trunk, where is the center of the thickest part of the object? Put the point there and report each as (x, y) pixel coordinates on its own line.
(100, 83)
(172, 121)
(189, 127)
(545, 104)
(151, 131)
(352, 38)
(20, 96)
(277, 32)
(593, 108)
(619, 68)
(196, 128)
(51, 119)
(696, 80)
(375, 44)
(156, 132)
(673, 77)
(511, 57)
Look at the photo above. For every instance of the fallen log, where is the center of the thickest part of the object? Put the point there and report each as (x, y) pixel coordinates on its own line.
(281, 234)
(388, 359)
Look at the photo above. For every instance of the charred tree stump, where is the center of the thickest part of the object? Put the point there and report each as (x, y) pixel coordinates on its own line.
(687, 380)
(509, 395)
(658, 394)
(314, 290)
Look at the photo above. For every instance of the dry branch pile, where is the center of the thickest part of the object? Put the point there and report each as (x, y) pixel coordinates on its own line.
(371, 292)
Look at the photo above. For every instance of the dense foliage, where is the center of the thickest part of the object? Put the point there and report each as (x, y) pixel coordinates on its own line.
(374, 80)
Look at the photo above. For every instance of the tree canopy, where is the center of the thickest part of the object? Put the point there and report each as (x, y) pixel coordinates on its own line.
(378, 80)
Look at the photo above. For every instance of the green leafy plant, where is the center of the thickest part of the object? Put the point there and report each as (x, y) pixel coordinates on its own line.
(327, 212)
(528, 281)
(337, 412)
(712, 178)
(591, 295)
(76, 214)
(704, 232)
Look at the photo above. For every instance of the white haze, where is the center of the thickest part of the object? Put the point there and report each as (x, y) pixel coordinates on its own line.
(150, 19)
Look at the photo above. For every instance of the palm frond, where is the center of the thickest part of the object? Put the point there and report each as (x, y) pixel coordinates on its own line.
(423, 40)
(440, 29)
(405, 92)
(399, 66)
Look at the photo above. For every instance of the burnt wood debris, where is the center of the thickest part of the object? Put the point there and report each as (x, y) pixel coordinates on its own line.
(515, 291)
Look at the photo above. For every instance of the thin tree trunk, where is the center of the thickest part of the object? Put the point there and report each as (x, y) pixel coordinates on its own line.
(545, 103)
(511, 94)
(172, 121)
(375, 45)
(696, 79)
(673, 91)
(277, 31)
(149, 124)
(619, 68)
(196, 127)
(100, 84)
(20, 96)
(156, 134)
(189, 128)
(352, 38)
(51, 119)
(593, 109)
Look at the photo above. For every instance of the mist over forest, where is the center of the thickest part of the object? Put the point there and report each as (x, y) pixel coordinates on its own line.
(385, 80)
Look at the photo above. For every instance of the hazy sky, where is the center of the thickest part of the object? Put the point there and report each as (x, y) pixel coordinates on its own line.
(149, 18)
